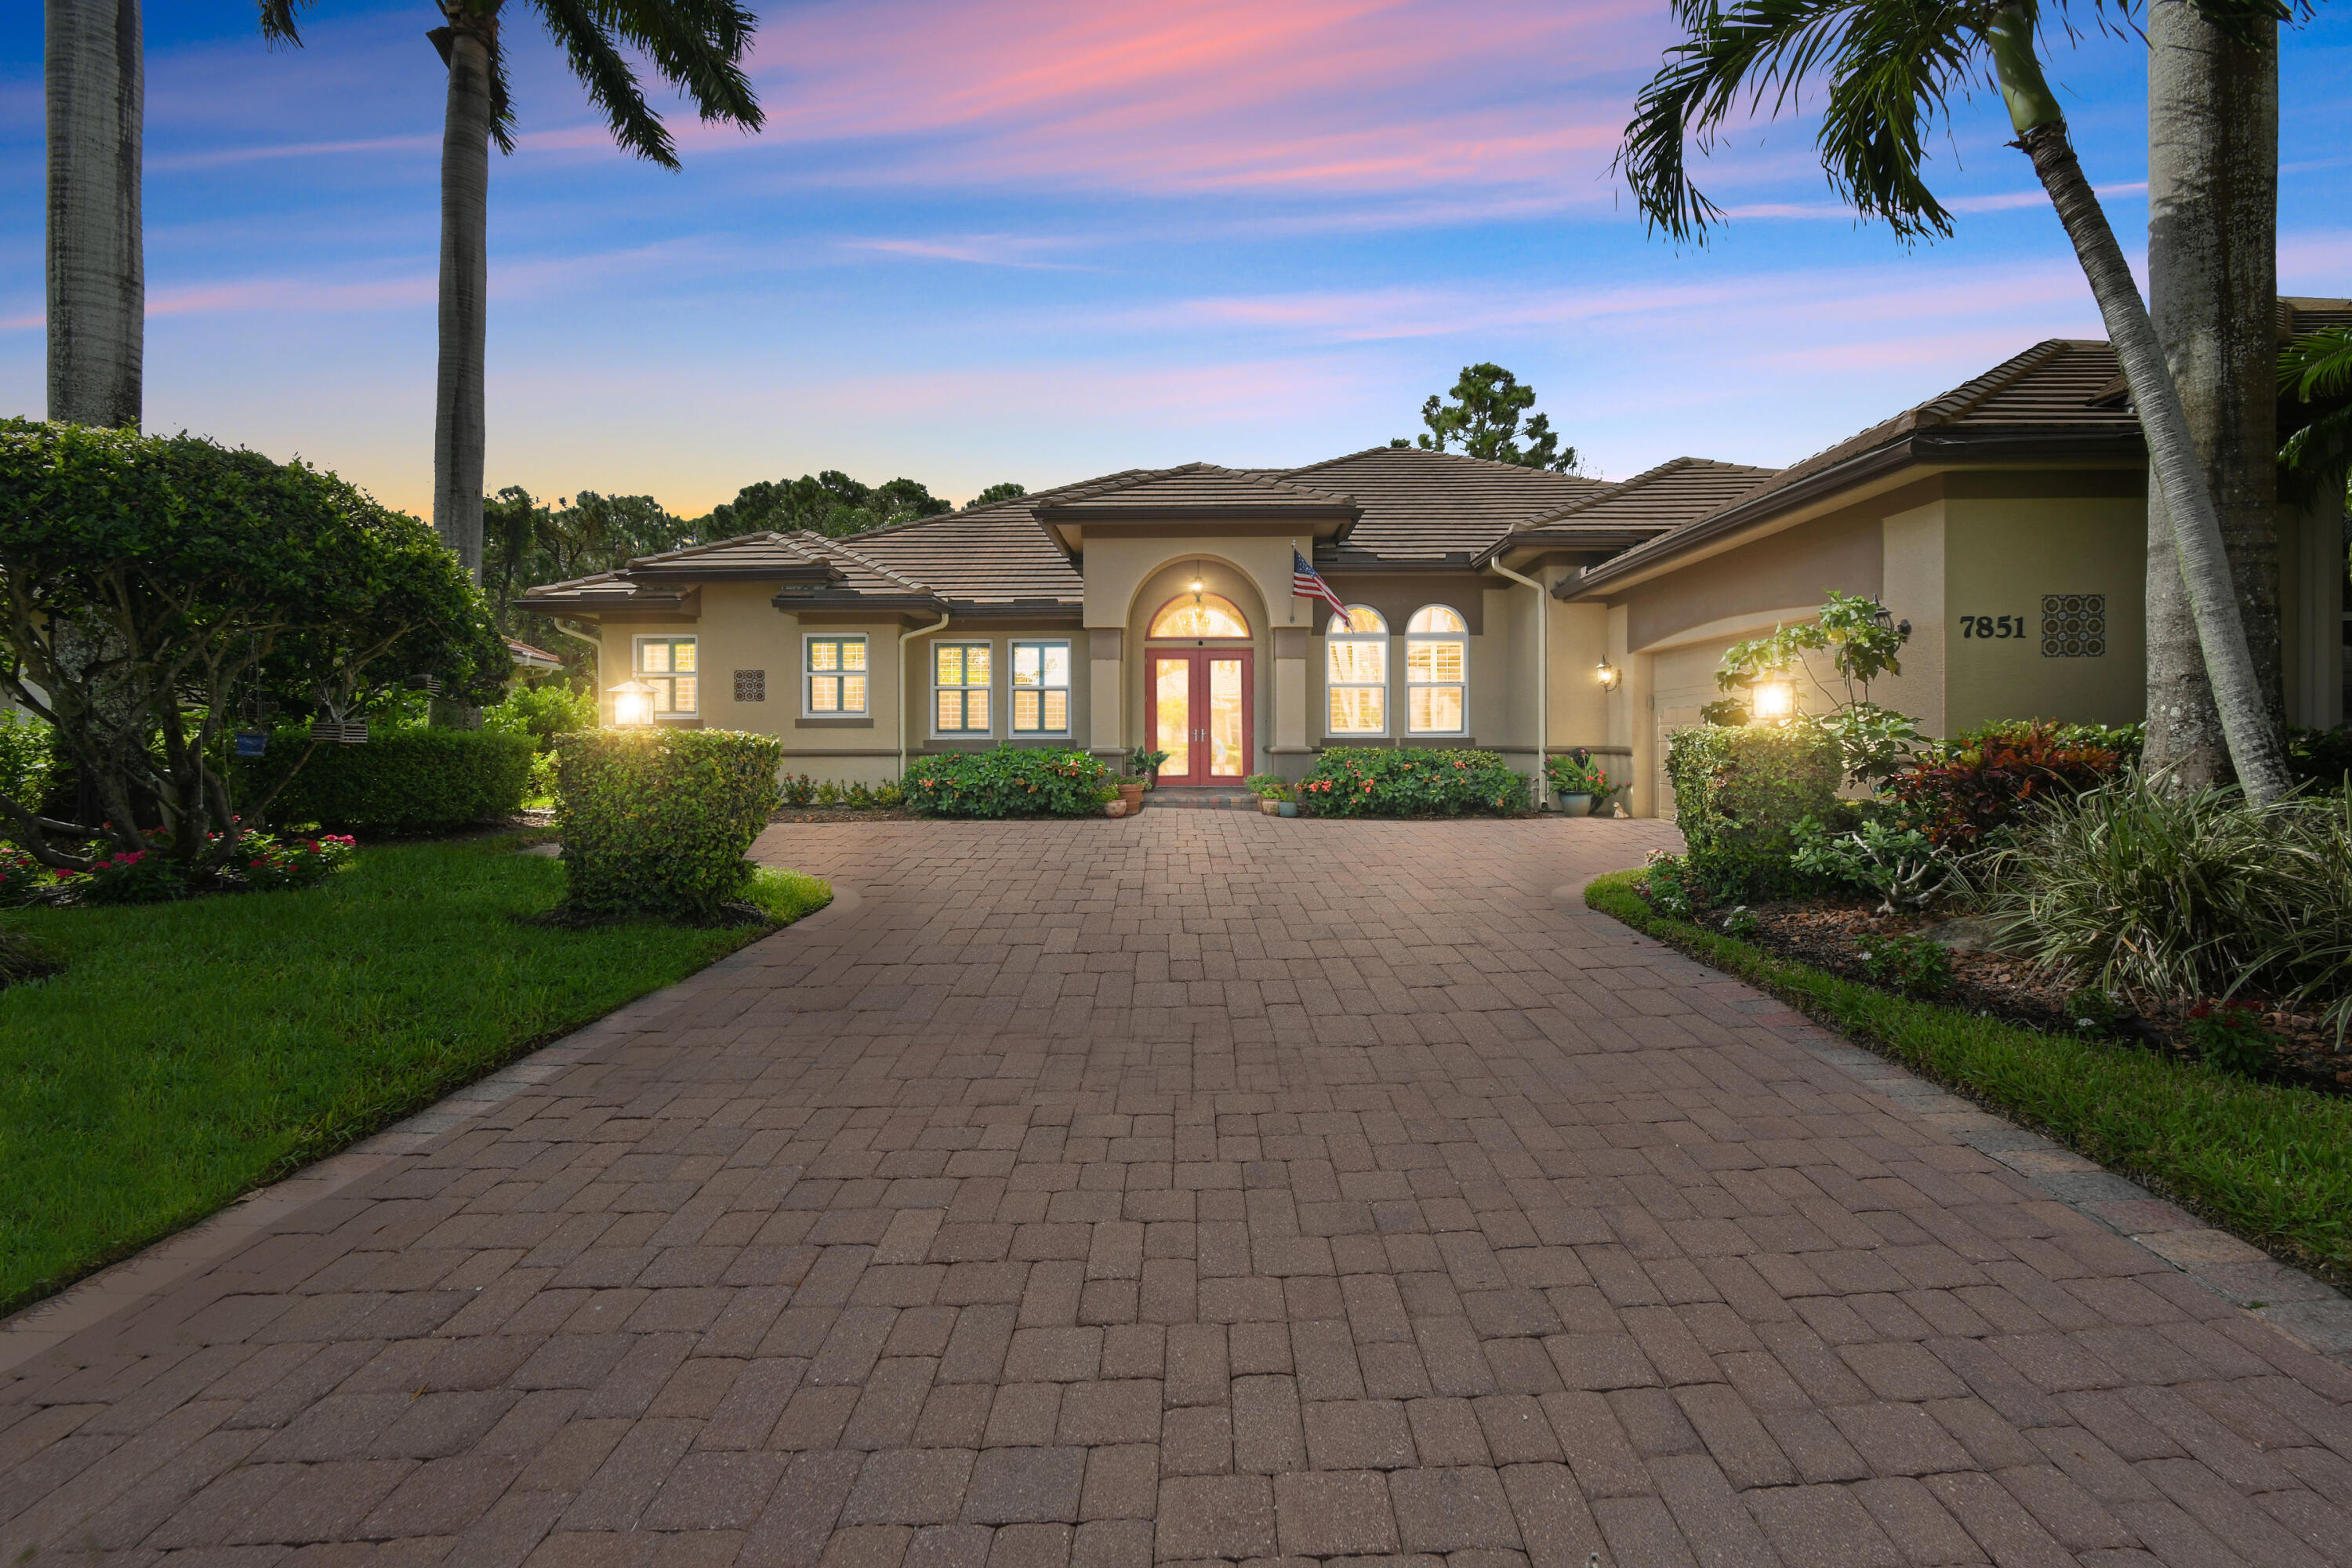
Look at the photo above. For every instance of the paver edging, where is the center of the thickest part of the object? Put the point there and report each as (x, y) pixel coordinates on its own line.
(2307, 1309)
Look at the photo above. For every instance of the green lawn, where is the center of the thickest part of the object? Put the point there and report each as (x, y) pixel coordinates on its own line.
(2271, 1162)
(191, 1052)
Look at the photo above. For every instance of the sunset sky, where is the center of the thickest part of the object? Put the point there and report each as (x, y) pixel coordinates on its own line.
(1040, 239)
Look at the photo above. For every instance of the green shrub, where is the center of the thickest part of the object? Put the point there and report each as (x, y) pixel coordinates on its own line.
(1369, 781)
(657, 822)
(799, 789)
(2233, 1036)
(1910, 965)
(1740, 795)
(1898, 864)
(1008, 782)
(542, 711)
(400, 780)
(26, 750)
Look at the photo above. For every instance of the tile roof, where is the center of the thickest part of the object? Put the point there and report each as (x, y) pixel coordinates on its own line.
(2059, 390)
(1424, 506)
(1676, 491)
(1204, 485)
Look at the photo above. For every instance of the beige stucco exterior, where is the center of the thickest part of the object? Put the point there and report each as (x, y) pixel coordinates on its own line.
(1970, 554)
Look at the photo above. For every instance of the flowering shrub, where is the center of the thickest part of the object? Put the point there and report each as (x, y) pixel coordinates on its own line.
(1577, 774)
(268, 863)
(1361, 780)
(130, 876)
(20, 876)
(1984, 780)
(1008, 782)
(2233, 1036)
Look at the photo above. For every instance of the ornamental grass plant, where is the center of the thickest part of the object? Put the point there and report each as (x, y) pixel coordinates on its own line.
(2173, 895)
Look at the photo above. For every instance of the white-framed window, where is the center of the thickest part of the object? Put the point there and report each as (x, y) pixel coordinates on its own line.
(1041, 689)
(668, 664)
(1356, 673)
(834, 675)
(960, 677)
(1436, 660)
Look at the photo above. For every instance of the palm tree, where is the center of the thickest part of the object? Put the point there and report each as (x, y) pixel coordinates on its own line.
(1891, 67)
(94, 80)
(697, 46)
(2316, 372)
(2213, 286)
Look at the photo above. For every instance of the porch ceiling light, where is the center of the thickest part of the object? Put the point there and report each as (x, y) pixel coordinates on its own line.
(1607, 672)
(1774, 700)
(633, 704)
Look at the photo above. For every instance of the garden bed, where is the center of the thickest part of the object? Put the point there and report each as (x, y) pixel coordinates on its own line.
(1823, 933)
(194, 1050)
(841, 814)
(2270, 1161)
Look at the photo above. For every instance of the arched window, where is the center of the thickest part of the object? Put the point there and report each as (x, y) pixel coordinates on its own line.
(1357, 672)
(1199, 615)
(1436, 655)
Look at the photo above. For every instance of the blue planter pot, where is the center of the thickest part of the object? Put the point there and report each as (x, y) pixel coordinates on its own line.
(1575, 805)
(1290, 809)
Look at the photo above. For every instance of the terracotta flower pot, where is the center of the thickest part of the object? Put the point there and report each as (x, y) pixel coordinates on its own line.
(1131, 795)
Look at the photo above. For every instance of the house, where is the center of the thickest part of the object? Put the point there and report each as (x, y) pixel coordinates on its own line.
(1517, 610)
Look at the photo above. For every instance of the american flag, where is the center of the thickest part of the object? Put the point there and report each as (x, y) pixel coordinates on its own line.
(1305, 584)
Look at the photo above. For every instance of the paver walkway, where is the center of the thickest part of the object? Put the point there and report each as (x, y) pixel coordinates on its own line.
(1200, 1187)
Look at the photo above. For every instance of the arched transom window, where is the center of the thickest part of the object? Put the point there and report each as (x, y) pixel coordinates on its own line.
(1436, 656)
(1357, 672)
(1199, 615)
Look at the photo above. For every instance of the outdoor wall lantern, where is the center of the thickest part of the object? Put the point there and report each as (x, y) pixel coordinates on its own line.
(633, 704)
(1887, 623)
(1608, 674)
(1773, 701)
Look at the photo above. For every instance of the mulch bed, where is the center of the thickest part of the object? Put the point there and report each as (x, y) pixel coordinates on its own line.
(1822, 934)
(841, 814)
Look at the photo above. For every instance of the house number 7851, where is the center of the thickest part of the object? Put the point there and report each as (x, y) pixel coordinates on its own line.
(1992, 625)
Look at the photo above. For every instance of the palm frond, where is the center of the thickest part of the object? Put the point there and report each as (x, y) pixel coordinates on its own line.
(278, 22)
(2317, 365)
(1890, 66)
(698, 45)
(580, 27)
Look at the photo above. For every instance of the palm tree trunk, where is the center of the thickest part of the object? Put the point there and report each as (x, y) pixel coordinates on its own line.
(94, 78)
(2197, 547)
(2212, 230)
(457, 418)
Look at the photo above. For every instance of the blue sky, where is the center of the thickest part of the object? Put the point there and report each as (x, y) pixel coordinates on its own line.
(1040, 239)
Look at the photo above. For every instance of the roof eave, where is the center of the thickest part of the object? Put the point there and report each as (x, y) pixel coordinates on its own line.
(1933, 447)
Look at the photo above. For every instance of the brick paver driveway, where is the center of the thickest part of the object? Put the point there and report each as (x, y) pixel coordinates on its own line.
(1203, 1187)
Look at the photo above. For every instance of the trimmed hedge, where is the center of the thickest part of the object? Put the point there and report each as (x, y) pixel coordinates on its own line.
(1740, 792)
(400, 780)
(1008, 783)
(657, 821)
(1384, 781)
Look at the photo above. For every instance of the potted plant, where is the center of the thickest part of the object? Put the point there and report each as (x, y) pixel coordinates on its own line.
(1143, 767)
(1577, 781)
(1275, 796)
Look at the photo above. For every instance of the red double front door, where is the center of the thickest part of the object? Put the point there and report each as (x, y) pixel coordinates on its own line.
(1201, 700)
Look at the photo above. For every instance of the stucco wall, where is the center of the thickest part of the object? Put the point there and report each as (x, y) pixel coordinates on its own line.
(2002, 555)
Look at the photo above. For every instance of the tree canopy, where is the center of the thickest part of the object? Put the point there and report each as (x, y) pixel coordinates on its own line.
(152, 589)
(830, 503)
(1008, 490)
(1483, 421)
